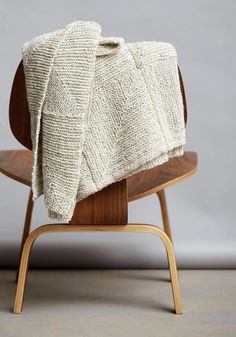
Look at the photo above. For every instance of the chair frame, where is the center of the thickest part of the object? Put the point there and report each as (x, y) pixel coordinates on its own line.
(132, 228)
(28, 239)
(91, 214)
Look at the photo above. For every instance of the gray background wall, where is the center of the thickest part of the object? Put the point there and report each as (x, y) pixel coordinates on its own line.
(202, 209)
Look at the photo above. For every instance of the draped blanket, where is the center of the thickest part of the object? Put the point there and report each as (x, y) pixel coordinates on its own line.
(101, 110)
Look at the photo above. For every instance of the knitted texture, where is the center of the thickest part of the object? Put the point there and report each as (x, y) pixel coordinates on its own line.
(101, 110)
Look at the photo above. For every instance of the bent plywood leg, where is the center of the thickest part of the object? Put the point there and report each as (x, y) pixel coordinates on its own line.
(164, 213)
(171, 263)
(23, 270)
(141, 228)
(26, 229)
(172, 269)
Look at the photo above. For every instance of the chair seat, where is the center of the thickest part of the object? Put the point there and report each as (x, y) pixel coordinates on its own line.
(17, 164)
(158, 178)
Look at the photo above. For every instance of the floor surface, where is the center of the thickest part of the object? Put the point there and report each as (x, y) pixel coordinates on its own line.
(119, 303)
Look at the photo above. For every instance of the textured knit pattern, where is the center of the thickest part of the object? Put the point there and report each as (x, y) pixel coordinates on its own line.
(101, 110)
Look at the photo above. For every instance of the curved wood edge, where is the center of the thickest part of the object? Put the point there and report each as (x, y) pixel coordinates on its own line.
(168, 183)
(17, 165)
(181, 82)
(164, 213)
(19, 115)
(26, 228)
(107, 206)
(135, 227)
(12, 159)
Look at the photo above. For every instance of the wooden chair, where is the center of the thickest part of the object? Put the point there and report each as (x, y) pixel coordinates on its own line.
(105, 211)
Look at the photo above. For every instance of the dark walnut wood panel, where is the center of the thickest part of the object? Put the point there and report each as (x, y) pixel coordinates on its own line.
(17, 164)
(111, 202)
(153, 180)
(19, 115)
(183, 97)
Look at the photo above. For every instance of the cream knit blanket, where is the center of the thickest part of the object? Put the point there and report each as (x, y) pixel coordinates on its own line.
(101, 110)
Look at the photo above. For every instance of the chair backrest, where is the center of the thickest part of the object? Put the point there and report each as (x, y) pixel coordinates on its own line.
(19, 115)
(106, 207)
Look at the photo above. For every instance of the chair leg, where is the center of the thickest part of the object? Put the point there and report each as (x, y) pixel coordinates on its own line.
(141, 228)
(171, 265)
(164, 213)
(24, 261)
(26, 229)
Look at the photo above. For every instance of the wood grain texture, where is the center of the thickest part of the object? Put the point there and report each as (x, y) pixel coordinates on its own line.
(164, 213)
(26, 230)
(19, 115)
(181, 82)
(109, 206)
(17, 164)
(153, 180)
(107, 209)
(132, 228)
(106, 206)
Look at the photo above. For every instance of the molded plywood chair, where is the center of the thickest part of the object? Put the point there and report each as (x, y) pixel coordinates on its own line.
(105, 211)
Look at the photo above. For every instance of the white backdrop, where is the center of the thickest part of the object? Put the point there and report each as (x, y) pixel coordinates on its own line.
(202, 209)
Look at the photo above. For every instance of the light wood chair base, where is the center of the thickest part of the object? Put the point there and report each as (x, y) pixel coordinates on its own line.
(164, 213)
(134, 228)
(107, 209)
(29, 210)
(26, 229)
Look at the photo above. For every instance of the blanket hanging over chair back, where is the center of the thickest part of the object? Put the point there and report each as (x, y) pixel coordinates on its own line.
(101, 110)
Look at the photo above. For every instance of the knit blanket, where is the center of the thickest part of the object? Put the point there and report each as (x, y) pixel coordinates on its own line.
(101, 110)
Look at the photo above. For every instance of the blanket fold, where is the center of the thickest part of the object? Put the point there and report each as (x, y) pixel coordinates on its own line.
(101, 110)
